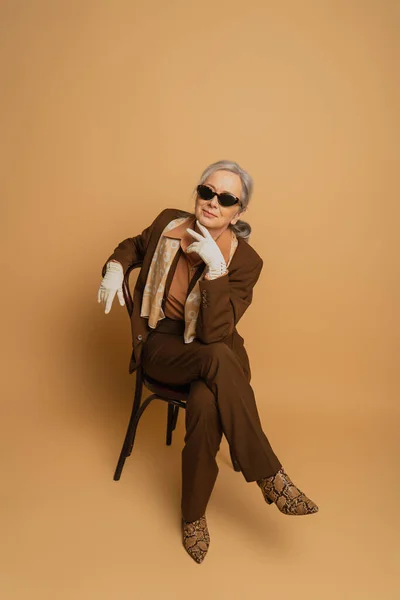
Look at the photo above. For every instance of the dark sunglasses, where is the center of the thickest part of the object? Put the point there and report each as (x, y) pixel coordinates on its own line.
(224, 198)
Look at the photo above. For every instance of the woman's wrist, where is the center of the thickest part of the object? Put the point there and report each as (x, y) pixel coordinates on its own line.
(216, 271)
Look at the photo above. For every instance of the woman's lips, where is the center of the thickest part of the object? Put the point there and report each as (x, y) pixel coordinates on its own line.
(208, 214)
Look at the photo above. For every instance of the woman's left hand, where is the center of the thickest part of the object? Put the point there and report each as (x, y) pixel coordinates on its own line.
(208, 250)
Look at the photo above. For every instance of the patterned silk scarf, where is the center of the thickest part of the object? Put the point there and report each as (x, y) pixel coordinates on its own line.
(155, 285)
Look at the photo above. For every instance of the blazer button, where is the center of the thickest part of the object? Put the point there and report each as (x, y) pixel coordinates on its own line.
(140, 337)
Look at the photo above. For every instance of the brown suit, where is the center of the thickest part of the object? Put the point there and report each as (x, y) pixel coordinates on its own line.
(215, 363)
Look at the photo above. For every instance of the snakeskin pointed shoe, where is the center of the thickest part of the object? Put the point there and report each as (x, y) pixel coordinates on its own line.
(279, 488)
(196, 538)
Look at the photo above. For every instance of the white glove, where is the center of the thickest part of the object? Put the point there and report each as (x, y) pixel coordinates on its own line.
(111, 284)
(207, 248)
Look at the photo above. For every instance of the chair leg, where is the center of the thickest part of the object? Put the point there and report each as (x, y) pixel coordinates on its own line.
(170, 420)
(136, 405)
(235, 463)
(128, 441)
(120, 466)
(130, 436)
(175, 419)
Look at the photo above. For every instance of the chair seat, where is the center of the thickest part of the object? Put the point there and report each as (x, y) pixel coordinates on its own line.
(175, 392)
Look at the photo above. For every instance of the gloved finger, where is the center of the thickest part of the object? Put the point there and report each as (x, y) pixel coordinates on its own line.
(100, 294)
(203, 229)
(121, 298)
(193, 247)
(103, 295)
(109, 301)
(196, 235)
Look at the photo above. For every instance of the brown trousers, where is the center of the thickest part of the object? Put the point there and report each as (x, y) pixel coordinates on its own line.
(221, 401)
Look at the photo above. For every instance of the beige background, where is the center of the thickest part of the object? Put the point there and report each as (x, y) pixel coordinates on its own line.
(110, 111)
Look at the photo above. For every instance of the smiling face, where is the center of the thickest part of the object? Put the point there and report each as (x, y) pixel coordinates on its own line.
(210, 213)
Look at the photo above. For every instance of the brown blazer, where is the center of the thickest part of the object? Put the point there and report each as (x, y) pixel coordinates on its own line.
(224, 300)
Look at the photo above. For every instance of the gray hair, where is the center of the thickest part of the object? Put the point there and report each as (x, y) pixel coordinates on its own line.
(241, 228)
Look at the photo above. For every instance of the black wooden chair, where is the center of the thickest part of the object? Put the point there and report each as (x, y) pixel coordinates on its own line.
(175, 396)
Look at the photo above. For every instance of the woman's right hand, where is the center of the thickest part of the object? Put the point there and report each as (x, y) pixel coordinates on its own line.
(111, 284)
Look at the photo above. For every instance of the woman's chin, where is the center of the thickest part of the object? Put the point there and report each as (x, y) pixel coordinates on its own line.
(202, 220)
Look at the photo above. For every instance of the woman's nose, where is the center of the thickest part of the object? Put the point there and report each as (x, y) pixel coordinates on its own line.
(214, 202)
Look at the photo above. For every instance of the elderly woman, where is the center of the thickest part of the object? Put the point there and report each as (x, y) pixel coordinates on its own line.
(196, 280)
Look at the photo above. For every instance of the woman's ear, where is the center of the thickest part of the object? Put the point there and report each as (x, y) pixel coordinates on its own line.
(238, 216)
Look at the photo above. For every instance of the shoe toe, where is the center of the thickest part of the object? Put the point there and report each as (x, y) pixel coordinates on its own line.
(196, 539)
(305, 507)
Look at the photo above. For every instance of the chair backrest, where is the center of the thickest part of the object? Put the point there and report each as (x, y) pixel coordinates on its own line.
(177, 393)
(128, 297)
